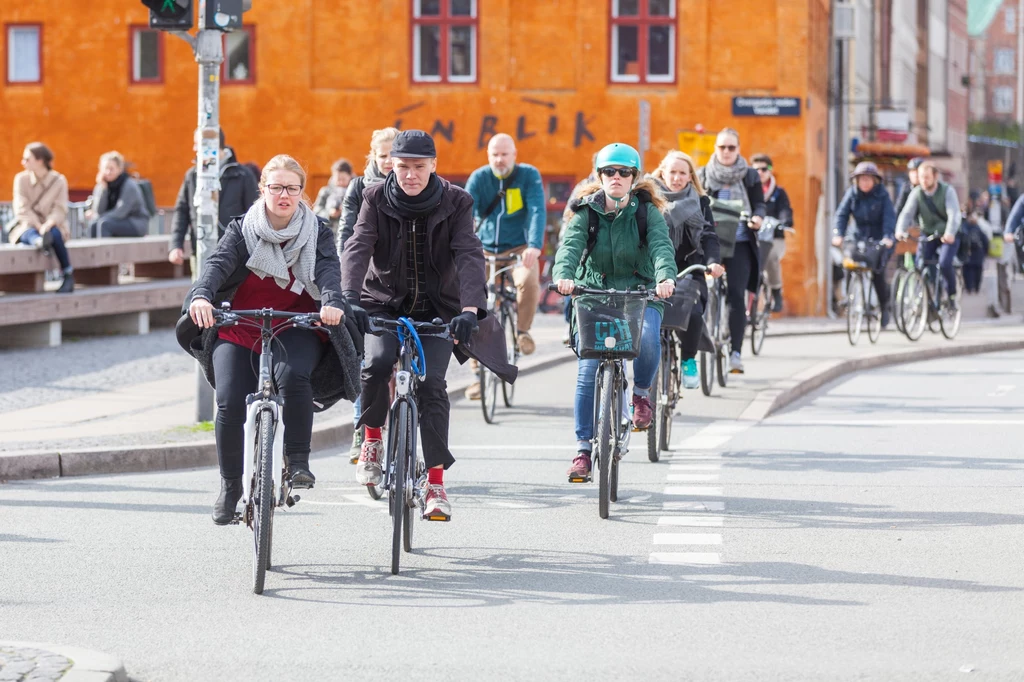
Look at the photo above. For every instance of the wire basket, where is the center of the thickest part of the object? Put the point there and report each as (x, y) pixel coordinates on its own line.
(679, 308)
(609, 325)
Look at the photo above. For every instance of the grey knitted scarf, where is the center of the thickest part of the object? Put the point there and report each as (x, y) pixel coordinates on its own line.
(718, 177)
(272, 253)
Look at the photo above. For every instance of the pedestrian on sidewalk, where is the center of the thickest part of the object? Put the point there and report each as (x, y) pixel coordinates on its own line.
(238, 191)
(118, 207)
(691, 227)
(616, 258)
(510, 215)
(414, 253)
(777, 206)
(278, 255)
(331, 196)
(870, 206)
(41, 209)
(728, 177)
(974, 245)
(378, 165)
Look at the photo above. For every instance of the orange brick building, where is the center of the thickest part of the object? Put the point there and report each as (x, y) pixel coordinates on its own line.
(313, 78)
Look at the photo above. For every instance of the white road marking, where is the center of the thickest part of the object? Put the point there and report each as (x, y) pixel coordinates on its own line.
(899, 422)
(638, 498)
(692, 478)
(713, 435)
(692, 521)
(693, 490)
(508, 505)
(687, 539)
(694, 505)
(513, 446)
(696, 467)
(1002, 390)
(682, 558)
(353, 501)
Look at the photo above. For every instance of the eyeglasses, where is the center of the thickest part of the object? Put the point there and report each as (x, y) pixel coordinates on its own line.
(727, 147)
(293, 190)
(621, 172)
(762, 169)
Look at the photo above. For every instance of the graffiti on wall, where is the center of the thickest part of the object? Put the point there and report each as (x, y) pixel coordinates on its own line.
(521, 126)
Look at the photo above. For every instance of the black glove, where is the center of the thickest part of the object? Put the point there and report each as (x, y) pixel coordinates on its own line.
(463, 326)
(358, 313)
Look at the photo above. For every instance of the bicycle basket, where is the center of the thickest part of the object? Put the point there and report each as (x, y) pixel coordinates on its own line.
(609, 325)
(679, 308)
(867, 254)
(727, 220)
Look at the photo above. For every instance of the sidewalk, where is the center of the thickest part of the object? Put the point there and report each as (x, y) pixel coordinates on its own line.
(35, 662)
(147, 426)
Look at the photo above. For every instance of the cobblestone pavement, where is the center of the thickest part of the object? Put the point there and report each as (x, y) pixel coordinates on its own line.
(19, 664)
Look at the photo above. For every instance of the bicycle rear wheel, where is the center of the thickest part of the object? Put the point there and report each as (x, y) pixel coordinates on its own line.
(914, 304)
(605, 427)
(669, 392)
(509, 324)
(398, 448)
(899, 281)
(950, 318)
(855, 308)
(659, 399)
(262, 499)
(761, 311)
(873, 309)
(488, 393)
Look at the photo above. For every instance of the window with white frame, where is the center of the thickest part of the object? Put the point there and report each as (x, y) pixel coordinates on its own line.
(24, 54)
(1004, 61)
(1010, 19)
(643, 41)
(239, 66)
(444, 41)
(1002, 100)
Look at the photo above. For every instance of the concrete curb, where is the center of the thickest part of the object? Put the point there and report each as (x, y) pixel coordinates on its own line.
(784, 393)
(22, 465)
(87, 666)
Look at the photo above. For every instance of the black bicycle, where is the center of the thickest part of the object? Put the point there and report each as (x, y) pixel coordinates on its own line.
(715, 363)
(501, 302)
(926, 302)
(761, 305)
(859, 263)
(405, 474)
(264, 441)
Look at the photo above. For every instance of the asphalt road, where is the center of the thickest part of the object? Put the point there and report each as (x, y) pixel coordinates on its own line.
(873, 531)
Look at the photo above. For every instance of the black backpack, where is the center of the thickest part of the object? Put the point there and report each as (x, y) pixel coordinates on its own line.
(643, 198)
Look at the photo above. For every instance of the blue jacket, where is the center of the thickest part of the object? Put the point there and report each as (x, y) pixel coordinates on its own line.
(873, 212)
(1016, 217)
(519, 219)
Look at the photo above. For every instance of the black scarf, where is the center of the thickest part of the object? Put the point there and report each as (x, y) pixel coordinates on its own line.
(114, 191)
(413, 207)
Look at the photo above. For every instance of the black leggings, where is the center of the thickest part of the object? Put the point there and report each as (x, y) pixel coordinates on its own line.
(690, 339)
(431, 394)
(235, 370)
(738, 270)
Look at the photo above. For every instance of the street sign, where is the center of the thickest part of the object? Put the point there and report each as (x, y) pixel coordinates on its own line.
(644, 134)
(765, 106)
(700, 146)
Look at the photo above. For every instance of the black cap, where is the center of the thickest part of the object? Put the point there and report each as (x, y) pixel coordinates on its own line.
(413, 144)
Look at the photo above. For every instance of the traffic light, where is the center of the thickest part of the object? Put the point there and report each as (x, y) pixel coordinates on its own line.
(225, 15)
(169, 15)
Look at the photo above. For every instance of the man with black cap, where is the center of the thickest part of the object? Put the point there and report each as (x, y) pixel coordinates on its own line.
(414, 253)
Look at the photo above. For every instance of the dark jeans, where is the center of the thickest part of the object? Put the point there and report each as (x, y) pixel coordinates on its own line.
(927, 251)
(114, 227)
(431, 393)
(879, 280)
(690, 339)
(235, 369)
(738, 270)
(59, 249)
(972, 277)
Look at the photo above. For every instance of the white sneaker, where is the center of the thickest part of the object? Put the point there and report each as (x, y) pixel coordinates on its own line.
(368, 470)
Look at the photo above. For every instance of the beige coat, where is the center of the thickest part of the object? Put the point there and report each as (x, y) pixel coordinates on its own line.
(39, 201)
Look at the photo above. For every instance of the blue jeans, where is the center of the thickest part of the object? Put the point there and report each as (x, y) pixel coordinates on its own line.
(59, 250)
(927, 251)
(644, 368)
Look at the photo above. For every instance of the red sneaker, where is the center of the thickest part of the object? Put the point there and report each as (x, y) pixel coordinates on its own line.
(643, 412)
(579, 472)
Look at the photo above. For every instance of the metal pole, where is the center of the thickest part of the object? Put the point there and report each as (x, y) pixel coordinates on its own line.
(1020, 91)
(209, 53)
(830, 164)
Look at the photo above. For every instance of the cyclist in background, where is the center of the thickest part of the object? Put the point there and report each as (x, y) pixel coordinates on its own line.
(617, 259)
(777, 206)
(909, 185)
(868, 202)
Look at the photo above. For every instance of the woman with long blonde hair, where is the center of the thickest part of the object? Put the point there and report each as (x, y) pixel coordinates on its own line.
(378, 165)
(278, 255)
(692, 230)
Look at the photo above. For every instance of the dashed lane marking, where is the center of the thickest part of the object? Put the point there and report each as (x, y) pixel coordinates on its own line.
(684, 558)
(694, 505)
(693, 490)
(687, 539)
(710, 466)
(692, 478)
(692, 521)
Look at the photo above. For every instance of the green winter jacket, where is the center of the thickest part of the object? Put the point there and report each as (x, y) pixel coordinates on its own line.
(617, 261)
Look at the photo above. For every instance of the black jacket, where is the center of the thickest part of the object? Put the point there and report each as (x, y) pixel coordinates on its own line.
(687, 254)
(901, 199)
(778, 206)
(337, 376)
(238, 191)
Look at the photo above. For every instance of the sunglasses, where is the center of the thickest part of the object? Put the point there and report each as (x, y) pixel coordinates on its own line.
(727, 147)
(621, 172)
(762, 169)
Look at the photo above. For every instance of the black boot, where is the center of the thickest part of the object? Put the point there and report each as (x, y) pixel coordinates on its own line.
(776, 300)
(224, 507)
(68, 284)
(299, 473)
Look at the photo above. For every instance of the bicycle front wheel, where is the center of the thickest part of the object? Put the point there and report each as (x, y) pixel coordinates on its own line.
(723, 342)
(488, 393)
(508, 324)
(707, 358)
(262, 499)
(950, 312)
(899, 281)
(914, 306)
(659, 401)
(759, 315)
(398, 447)
(669, 387)
(873, 309)
(605, 428)
(855, 308)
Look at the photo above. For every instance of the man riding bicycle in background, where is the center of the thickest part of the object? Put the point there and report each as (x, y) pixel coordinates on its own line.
(868, 202)
(936, 208)
(508, 204)
(414, 253)
(777, 206)
(910, 185)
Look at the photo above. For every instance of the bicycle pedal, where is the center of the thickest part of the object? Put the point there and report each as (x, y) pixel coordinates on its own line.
(237, 520)
(437, 517)
(580, 479)
(302, 486)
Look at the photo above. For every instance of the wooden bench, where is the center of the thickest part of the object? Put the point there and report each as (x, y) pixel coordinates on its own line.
(96, 262)
(41, 319)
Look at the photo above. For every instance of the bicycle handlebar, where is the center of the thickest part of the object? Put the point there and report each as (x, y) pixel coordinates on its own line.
(649, 294)
(515, 258)
(227, 318)
(379, 325)
(693, 268)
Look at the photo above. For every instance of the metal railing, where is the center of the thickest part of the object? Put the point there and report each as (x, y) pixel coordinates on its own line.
(78, 225)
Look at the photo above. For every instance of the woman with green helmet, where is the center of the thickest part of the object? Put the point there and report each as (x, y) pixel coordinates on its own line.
(619, 259)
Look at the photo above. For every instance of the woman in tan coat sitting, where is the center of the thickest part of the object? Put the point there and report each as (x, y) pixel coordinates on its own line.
(41, 208)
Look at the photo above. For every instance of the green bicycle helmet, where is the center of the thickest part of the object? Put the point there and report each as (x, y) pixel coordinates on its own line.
(618, 154)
